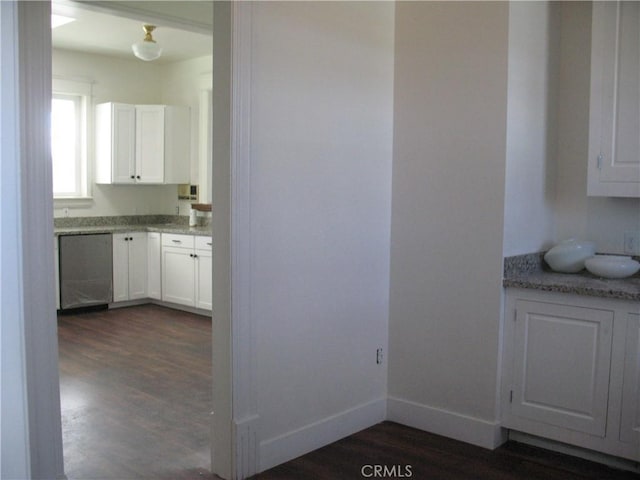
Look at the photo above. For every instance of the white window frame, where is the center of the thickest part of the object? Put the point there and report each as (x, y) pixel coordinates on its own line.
(62, 87)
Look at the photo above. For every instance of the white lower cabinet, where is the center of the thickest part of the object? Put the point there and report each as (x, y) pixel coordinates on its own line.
(630, 419)
(186, 270)
(154, 269)
(129, 266)
(571, 370)
(203, 247)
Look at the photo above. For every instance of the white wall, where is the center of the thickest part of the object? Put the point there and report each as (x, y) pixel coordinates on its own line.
(15, 459)
(603, 220)
(548, 131)
(531, 128)
(31, 436)
(447, 216)
(182, 83)
(321, 127)
(127, 81)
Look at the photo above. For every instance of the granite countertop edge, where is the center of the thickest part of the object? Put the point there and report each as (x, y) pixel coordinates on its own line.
(530, 272)
(162, 228)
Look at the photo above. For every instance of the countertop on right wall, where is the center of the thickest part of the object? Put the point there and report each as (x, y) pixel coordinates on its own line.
(530, 271)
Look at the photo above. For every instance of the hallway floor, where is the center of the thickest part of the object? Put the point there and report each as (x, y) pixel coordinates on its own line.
(136, 397)
(135, 394)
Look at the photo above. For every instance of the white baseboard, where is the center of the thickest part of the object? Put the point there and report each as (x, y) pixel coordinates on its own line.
(446, 423)
(147, 301)
(591, 455)
(246, 446)
(184, 308)
(129, 303)
(290, 445)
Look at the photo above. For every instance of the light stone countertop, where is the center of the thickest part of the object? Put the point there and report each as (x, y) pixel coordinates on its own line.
(134, 223)
(529, 271)
(162, 228)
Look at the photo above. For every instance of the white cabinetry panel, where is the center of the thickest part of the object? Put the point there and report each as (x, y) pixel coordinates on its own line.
(630, 420)
(150, 135)
(571, 370)
(137, 265)
(129, 266)
(120, 267)
(204, 272)
(562, 365)
(154, 270)
(186, 270)
(614, 145)
(142, 144)
(178, 275)
(115, 143)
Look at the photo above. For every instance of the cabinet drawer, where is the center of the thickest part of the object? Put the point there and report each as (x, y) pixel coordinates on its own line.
(203, 243)
(176, 240)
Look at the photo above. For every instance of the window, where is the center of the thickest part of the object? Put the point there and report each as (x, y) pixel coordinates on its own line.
(69, 128)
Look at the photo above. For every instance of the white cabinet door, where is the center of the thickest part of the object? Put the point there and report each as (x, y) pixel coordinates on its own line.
(614, 120)
(630, 418)
(154, 271)
(204, 277)
(115, 143)
(137, 265)
(123, 140)
(129, 266)
(120, 267)
(561, 365)
(149, 143)
(178, 275)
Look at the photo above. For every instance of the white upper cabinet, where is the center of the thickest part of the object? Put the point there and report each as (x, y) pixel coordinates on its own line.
(142, 144)
(150, 134)
(614, 124)
(115, 143)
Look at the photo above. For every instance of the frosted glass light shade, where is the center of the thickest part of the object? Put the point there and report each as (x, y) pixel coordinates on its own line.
(146, 50)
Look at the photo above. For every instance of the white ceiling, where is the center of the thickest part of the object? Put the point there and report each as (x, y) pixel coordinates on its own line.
(98, 32)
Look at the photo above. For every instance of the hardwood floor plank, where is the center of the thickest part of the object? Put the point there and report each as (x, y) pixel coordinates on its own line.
(136, 399)
(135, 394)
(433, 457)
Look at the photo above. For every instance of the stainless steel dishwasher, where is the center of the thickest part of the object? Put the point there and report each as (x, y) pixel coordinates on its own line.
(86, 270)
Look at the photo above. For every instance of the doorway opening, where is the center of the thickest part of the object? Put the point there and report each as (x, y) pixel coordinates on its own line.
(133, 376)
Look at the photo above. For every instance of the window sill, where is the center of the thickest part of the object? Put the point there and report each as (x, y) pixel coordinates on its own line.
(72, 202)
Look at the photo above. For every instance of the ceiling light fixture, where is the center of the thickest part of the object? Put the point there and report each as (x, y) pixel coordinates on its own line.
(147, 49)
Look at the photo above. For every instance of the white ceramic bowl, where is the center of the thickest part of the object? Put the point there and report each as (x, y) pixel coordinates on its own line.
(569, 255)
(612, 266)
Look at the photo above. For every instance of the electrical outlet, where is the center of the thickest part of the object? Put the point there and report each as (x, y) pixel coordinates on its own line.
(379, 356)
(632, 242)
(65, 212)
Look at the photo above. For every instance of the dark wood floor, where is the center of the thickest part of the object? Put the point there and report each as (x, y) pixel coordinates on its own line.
(136, 396)
(411, 453)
